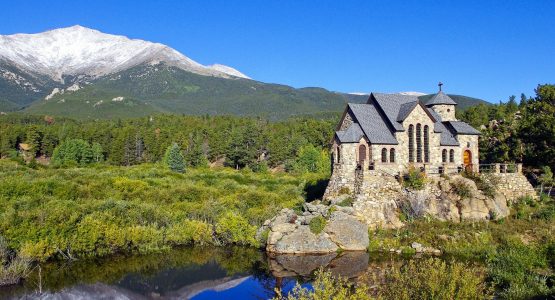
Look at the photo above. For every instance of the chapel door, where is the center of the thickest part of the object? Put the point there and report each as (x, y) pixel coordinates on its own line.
(467, 158)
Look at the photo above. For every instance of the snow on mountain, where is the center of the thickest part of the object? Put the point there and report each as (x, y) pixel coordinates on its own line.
(412, 93)
(78, 50)
(228, 70)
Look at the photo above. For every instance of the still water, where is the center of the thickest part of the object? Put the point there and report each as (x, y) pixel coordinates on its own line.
(191, 273)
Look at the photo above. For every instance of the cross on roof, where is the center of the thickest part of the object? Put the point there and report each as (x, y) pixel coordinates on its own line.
(440, 84)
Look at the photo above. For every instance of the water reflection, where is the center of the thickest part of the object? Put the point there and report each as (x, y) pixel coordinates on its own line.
(192, 273)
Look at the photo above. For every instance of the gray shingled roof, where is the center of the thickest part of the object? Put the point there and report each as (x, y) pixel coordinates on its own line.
(391, 105)
(352, 134)
(373, 124)
(461, 127)
(405, 109)
(378, 119)
(440, 98)
(446, 137)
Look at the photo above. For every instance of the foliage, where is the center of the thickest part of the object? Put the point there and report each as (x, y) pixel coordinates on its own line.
(317, 224)
(346, 202)
(103, 210)
(234, 141)
(311, 160)
(233, 228)
(76, 152)
(522, 133)
(461, 188)
(484, 182)
(516, 270)
(12, 269)
(174, 159)
(326, 287)
(434, 278)
(414, 179)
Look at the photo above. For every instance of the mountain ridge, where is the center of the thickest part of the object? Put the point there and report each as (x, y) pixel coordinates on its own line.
(81, 74)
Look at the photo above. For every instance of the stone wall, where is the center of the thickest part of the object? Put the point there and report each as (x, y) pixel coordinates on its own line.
(512, 186)
(446, 112)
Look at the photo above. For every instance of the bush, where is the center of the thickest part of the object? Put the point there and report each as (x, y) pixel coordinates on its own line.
(462, 189)
(346, 202)
(233, 228)
(326, 287)
(433, 278)
(317, 224)
(414, 179)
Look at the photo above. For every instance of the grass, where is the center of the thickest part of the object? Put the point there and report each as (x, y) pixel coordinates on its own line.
(102, 210)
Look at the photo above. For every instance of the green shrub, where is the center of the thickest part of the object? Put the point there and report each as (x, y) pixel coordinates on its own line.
(434, 278)
(484, 182)
(326, 287)
(317, 224)
(462, 189)
(233, 228)
(414, 179)
(346, 202)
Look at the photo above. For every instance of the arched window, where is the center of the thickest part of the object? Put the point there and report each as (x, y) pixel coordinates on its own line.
(418, 143)
(361, 153)
(384, 155)
(411, 143)
(452, 155)
(444, 155)
(338, 150)
(426, 144)
(392, 155)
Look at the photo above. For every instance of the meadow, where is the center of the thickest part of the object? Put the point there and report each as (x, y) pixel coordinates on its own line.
(101, 210)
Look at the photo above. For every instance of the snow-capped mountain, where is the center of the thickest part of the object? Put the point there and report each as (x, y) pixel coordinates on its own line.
(78, 51)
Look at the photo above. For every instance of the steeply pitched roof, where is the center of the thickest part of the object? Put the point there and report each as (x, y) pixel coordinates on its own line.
(352, 134)
(405, 109)
(440, 98)
(391, 105)
(461, 127)
(446, 137)
(372, 124)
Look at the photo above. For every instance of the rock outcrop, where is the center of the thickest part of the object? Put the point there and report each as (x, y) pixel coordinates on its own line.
(289, 232)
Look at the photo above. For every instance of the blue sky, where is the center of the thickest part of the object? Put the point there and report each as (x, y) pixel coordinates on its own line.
(485, 49)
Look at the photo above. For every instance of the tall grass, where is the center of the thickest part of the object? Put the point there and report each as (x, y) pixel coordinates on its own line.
(102, 210)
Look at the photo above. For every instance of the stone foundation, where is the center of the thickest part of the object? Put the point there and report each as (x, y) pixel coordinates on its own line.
(379, 198)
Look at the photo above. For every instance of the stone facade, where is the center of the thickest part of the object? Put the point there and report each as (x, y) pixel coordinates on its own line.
(447, 112)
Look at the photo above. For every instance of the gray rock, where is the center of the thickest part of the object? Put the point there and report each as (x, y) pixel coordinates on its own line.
(302, 240)
(347, 232)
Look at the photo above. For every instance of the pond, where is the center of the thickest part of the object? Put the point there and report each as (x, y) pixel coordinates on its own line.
(190, 273)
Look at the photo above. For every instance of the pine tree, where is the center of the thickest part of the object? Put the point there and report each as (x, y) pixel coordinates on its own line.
(174, 159)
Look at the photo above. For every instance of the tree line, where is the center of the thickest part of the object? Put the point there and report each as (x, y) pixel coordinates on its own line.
(238, 142)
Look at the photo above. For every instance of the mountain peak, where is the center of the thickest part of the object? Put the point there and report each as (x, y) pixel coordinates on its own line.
(78, 50)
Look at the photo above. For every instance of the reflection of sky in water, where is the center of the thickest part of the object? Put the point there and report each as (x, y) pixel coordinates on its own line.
(248, 289)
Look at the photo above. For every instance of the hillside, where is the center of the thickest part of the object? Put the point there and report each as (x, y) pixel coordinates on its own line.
(83, 73)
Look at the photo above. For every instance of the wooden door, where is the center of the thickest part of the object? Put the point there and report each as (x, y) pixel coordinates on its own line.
(467, 158)
(361, 153)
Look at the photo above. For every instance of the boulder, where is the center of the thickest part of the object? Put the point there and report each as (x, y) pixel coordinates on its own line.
(302, 240)
(347, 232)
